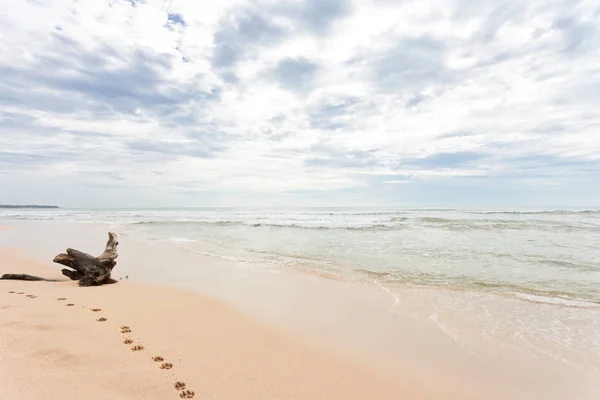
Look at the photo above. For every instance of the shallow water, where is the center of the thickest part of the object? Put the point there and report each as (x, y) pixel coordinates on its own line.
(541, 256)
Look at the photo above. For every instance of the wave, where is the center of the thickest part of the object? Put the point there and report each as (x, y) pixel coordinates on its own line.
(564, 299)
(343, 220)
(266, 225)
(558, 301)
(554, 297)
(436, 220)
(361, 213)
(391, 224)
(183, 222)
(181, 240)
(570, 265)
(396, 223)
(372, 227)
(552, 212)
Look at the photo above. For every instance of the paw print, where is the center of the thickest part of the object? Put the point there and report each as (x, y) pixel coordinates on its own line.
(187, 394)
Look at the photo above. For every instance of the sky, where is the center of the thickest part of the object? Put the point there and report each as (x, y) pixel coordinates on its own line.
(456, 103)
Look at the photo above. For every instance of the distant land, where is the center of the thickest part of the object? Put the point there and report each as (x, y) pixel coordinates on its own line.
(26, 206)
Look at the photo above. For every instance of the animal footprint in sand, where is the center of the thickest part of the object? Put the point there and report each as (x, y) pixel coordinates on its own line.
(125, 329)
(127, 341)
(179, 385)
(137, 348)
(62, 298)
(187, 394)
(69, 305)
(96, 309)
(158, 359)
(11, 291)
(166, 366)
(101, 319)
(31, 296)
(20, 292)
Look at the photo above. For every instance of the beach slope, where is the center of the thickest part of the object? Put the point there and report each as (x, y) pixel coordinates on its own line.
(130, 341)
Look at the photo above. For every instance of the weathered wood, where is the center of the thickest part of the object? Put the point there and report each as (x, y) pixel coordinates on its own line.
(25, 277)
(90, 270)
(87, 269)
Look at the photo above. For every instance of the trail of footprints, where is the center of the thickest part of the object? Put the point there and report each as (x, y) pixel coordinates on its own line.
(181, 387)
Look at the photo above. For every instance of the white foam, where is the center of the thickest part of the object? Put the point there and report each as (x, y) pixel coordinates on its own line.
(559, 301)
(181, 240)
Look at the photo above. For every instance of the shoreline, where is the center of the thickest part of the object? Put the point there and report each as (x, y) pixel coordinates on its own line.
(54, 351)
(412, 336)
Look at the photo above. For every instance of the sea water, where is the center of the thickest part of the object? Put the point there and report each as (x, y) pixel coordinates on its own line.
(542, 256)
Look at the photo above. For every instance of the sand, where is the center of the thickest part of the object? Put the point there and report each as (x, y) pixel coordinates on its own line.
(60, 341)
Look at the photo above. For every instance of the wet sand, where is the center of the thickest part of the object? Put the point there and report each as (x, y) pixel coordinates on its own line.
(132, 341)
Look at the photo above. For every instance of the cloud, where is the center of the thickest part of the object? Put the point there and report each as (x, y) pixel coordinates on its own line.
(173, 150)
(240, 35)
(446, 160)
(296, 74)
(299, 103)
(316, 16)
(413, 64)
(574, 32)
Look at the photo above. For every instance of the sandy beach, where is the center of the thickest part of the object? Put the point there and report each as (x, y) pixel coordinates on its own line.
(65, 342)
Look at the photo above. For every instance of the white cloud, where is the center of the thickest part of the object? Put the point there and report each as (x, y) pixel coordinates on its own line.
(270, 100)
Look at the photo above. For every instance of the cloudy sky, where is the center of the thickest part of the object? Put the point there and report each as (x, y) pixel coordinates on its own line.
(459, 103)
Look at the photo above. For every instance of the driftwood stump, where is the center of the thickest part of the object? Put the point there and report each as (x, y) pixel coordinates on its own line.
(87, 269)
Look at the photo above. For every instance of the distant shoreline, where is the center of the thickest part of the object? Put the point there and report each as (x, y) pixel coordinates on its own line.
(26, 206)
